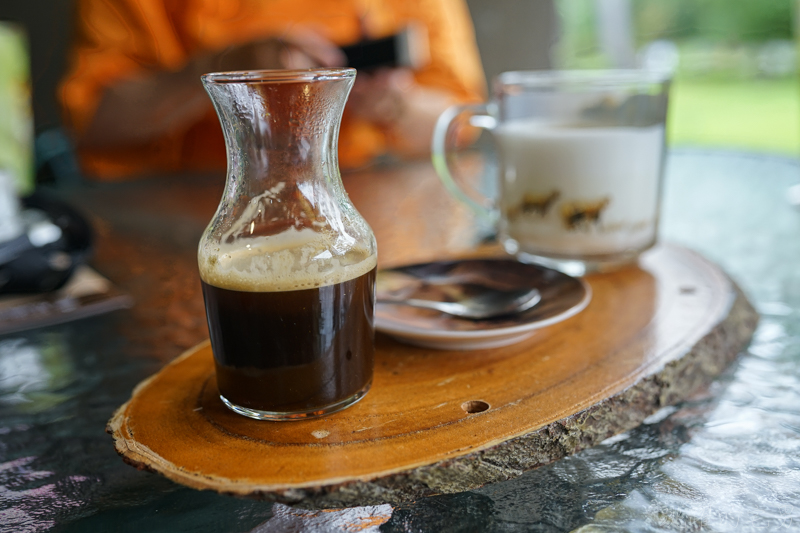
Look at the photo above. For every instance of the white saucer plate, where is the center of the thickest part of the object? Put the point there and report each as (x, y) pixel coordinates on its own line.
(563, 296)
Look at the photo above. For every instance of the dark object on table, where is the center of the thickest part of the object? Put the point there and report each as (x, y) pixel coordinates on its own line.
(409, 48)
(55, 241)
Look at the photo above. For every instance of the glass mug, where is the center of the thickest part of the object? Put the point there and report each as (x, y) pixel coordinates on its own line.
(580, 164)
(287, 263)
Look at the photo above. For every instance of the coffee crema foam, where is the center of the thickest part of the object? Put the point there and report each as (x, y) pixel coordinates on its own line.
(291, 260)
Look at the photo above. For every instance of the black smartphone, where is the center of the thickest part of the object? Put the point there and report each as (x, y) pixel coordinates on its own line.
(408, 48)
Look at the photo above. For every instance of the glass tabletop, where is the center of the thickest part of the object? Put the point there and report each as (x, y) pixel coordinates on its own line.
(728, 459)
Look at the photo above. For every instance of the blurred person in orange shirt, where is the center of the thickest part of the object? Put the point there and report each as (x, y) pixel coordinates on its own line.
(133, 98)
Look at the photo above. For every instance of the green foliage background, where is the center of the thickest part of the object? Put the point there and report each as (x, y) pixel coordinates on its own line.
(730, 22)
(719, 97)
(727, 21)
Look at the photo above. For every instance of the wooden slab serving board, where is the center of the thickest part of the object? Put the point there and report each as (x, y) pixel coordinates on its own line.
(442, 422)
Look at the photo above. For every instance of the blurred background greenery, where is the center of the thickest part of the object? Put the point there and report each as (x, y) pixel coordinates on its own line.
(736, 82)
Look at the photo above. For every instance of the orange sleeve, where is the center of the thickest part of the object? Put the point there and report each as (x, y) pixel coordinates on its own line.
(115, 39)
(455, 64)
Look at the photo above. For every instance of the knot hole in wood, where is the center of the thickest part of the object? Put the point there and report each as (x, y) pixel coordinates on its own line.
(474, 406)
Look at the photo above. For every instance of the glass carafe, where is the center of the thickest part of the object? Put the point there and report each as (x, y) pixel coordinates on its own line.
(287, 263)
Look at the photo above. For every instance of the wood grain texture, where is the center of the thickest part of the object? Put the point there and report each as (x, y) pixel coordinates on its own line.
(649, 338)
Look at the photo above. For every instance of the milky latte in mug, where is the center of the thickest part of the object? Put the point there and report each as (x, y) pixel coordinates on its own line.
(572, 190)
(580, 164)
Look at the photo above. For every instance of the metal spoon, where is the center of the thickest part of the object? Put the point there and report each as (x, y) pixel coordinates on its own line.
(490, 304)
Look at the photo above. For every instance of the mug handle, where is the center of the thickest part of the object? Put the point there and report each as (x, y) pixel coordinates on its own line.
(481, 117)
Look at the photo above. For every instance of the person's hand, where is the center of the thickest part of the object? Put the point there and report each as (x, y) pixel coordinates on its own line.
(304, 48)
(381, 97)
(300, 48)
(145, 107)
(405, 110)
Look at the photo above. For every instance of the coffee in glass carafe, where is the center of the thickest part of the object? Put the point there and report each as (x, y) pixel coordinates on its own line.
(287, 264)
